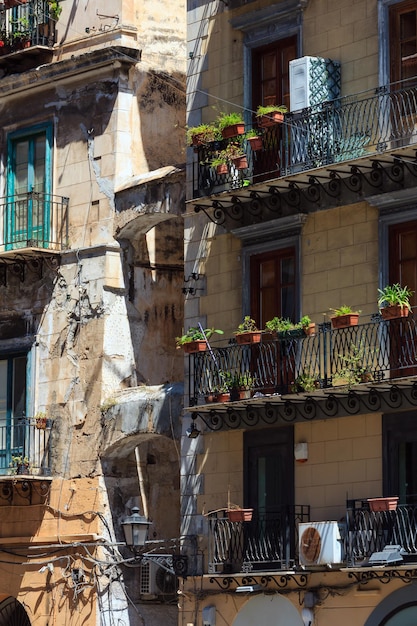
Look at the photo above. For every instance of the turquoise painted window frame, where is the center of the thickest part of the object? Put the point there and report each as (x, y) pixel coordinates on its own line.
(14, 444)
(29, 133)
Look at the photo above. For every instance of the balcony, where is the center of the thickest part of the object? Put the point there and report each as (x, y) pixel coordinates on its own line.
(270, 543)
(25, 464)
(27, 35)
(331, 152)
(28, 440)
(369, 367)
(34, 221)
(266, 542)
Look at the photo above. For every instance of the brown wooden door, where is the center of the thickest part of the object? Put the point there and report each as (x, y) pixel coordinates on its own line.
(403, 270)
(403, 41)
(271, 85)
(273, 285)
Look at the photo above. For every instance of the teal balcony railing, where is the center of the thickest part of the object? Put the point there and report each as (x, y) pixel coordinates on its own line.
(333, 132)
(25, 447)
(34, 220)
(373, 351)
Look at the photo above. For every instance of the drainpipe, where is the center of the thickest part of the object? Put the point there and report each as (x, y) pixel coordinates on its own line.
(141, 467)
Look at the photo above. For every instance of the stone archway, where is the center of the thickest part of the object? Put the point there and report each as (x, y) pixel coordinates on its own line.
(12, 613)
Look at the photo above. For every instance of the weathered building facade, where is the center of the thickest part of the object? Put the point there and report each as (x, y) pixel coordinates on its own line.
(322, 215)
(92, 102)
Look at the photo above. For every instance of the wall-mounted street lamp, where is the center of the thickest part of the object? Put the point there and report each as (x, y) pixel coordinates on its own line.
(192, 432)
(135, 528)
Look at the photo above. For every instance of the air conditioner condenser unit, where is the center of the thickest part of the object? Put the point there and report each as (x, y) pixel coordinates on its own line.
(320, 543)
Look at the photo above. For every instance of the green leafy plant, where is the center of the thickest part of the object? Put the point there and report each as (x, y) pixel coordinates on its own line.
(19, 463)
(344, 310)
(353, 370)
(392, 295)
(305, 382)
(270, 108)
(195, 334)
(305, 321)
(218, 160)
(55, 9)
(229, 119)
(279, 325)
(233, 150)
(247, 325)
(253, 132)
(203, 133)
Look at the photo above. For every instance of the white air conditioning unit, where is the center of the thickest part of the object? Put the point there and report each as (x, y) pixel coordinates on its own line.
(157, 579)
(320, 543)
(313, 80)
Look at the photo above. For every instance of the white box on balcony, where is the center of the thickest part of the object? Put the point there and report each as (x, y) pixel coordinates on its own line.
(313, 80)
(320, 543)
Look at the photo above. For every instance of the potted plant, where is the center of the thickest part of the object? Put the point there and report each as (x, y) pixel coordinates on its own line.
(19, 465)
(394, 301)
(354, 370)
(344, 316)
(307, 325)
(254, 139)
(219, 163)
(236, 514)
(231, 124)
(242, 385)
(284, 327)
(270, 114)
(389, 503)
(202, 134)
(41, 420)
(304, 383)
(235, 154)
(247, 332)
(194, 340)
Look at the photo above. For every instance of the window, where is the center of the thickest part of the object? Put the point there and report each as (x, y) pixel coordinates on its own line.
(403, 40)
(12, 408)
(29, 170)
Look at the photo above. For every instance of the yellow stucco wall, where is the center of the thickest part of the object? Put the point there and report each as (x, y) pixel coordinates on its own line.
(35, 535)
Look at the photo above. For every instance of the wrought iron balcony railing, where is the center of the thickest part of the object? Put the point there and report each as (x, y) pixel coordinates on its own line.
(26, 24)
(268, 541)
(25, 447)
(371, 352)
(34, 220)
(333, 132)
(369, 531)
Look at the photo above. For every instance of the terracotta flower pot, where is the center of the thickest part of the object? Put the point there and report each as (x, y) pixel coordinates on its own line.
(240, 162)
(240, 515)
(222, 169)
(383, 504)
(265, 121)
(233, 131)
(310, 330)
(394, 311)
(195, 346)
(344, 321)
(253, 336)
(255, 143)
